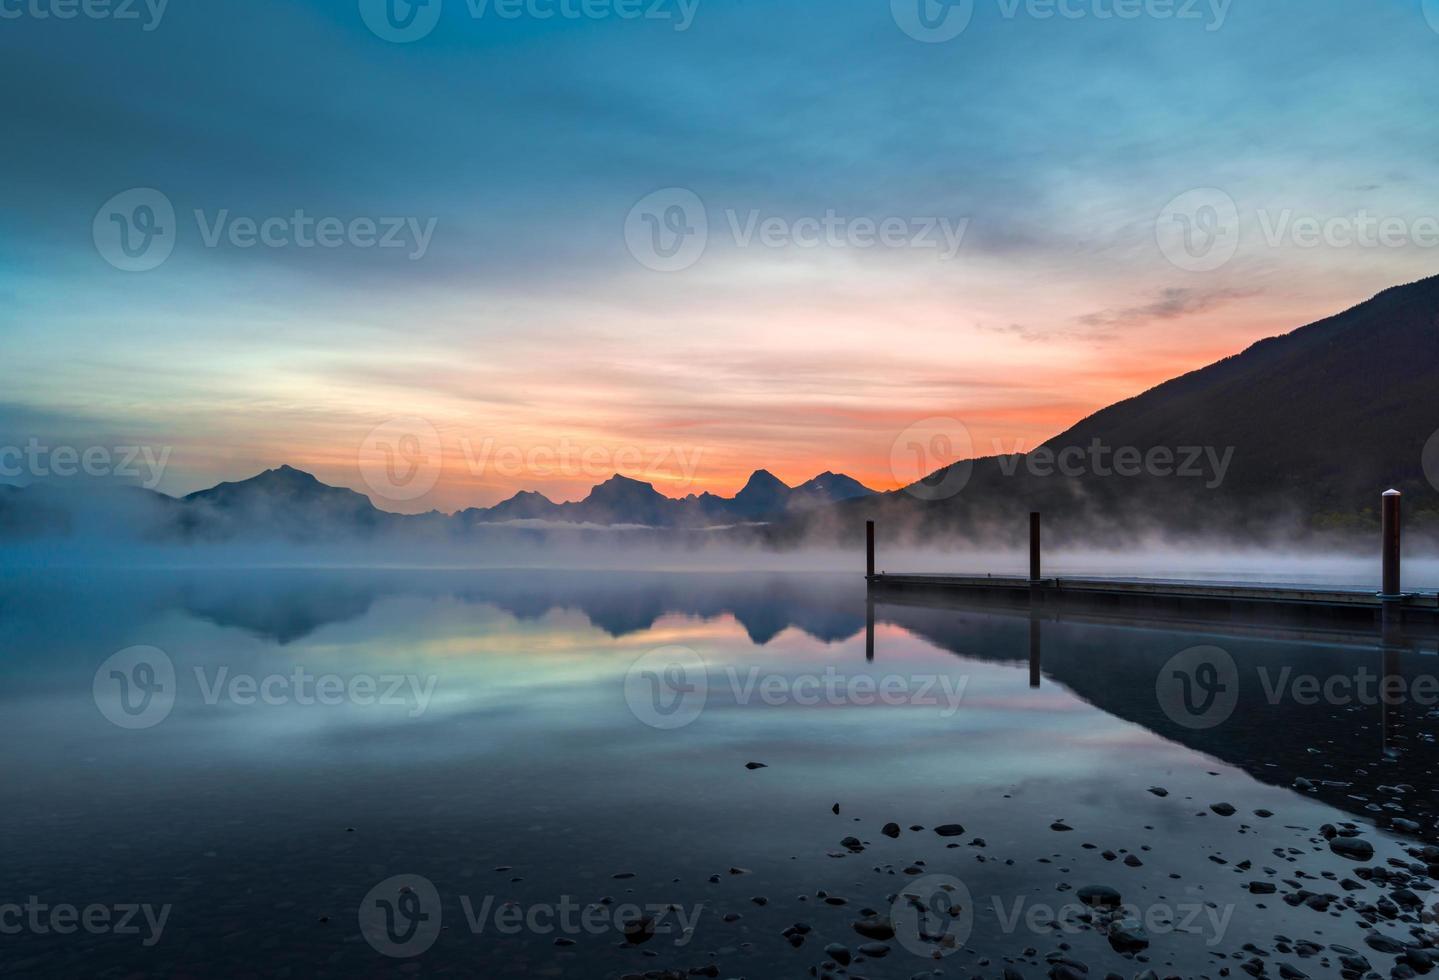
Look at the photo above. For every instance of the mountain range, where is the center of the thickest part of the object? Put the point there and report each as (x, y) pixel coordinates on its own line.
(291, 504)
(1301, 431)
(1297, 433)
(621, 500)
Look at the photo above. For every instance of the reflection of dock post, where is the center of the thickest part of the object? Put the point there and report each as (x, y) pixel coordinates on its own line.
(1390, 620)
(1035, 647)
(869, 594)
(1391, 713)
(1034, 564)
(869, 629)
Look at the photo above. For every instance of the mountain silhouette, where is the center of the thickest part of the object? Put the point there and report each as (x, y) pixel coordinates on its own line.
(762, 494)
(285, 501)
(1297, 433)
(1300, 432)
(621, 500)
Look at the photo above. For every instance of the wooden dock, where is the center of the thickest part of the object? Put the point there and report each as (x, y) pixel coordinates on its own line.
(1388, 608)
(1176, 596)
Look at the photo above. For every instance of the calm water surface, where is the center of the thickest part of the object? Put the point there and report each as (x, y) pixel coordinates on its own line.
(368, 773)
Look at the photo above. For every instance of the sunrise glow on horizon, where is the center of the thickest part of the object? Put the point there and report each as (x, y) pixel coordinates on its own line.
(520, 323)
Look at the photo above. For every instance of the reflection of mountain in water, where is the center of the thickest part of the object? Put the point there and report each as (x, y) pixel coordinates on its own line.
(285, 606)
(1355, 754)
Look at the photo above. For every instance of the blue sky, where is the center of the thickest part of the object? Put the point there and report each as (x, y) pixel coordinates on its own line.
(523, 144)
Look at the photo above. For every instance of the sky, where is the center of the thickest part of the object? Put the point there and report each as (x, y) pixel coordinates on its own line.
(531, 243)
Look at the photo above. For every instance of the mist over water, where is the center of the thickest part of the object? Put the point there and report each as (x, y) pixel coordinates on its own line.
(520, 759)
(96, 523)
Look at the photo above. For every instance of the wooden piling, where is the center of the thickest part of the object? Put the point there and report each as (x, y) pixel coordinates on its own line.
(869, 549)
(1392, 533)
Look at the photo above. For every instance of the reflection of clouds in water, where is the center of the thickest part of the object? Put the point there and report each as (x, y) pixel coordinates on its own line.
(531, 750)
(527, 656)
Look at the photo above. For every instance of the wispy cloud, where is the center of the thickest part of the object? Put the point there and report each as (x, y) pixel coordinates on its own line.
(1173, 303)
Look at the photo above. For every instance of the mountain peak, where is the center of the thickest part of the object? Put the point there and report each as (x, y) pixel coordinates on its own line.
(830, 487)
(619, 487)
(625, 481)
(283, 478)
(289, 474)
(764, 480)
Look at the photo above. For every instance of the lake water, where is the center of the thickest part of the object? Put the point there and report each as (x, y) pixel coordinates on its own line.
(380, 772)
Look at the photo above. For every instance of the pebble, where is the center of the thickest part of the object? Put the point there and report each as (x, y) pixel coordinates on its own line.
(1353, 848)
